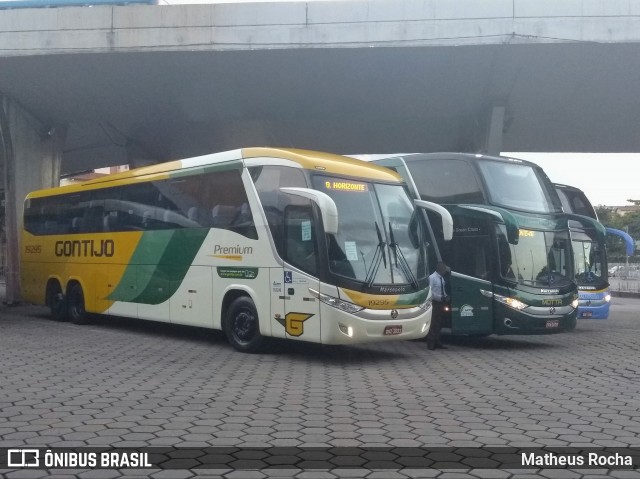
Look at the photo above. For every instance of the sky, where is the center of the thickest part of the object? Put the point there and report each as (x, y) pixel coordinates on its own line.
(606, 179)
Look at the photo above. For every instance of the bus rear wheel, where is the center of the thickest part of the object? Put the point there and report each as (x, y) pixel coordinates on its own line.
(242, 327)
(56, 302)
(75, 304)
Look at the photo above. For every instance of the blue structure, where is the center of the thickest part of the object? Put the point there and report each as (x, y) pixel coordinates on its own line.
(628, 240)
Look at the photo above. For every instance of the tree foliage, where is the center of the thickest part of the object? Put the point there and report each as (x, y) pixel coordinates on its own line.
(629, 222)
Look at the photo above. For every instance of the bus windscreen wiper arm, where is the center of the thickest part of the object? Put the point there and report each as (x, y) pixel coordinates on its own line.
(378, 256)
(397, 253)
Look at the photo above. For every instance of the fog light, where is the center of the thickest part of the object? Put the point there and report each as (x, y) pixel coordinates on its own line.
(348, 330)
(424, 328)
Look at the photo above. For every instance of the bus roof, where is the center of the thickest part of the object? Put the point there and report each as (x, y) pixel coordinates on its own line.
(336, 164)
(306, 159)
(463, 156)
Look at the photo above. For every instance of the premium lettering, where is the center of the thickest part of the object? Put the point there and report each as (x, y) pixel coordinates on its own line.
(219, 249)
(85, 248)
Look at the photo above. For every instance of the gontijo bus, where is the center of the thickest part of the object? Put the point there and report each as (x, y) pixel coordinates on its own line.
(256, 242)
(511, 257)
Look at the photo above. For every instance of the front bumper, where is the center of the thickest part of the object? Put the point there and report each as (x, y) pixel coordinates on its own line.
(340, 327)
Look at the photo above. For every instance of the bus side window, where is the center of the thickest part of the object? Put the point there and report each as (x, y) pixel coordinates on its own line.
(300, 245)
(224, 195)
(268, 180)
(222, 216)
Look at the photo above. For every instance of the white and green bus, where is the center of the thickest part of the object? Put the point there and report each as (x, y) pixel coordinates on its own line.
(257, 242)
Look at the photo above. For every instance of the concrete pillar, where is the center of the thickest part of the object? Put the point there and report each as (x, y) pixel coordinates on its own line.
(493, 145)
(31, 153)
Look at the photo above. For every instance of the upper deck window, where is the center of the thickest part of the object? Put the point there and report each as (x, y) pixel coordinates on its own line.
(446, 181)
(519, 186)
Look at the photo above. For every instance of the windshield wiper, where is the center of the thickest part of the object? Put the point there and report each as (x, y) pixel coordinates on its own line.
(403, 264)
(378, 256)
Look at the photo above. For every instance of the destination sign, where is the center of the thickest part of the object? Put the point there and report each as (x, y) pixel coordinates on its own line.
(339, 185)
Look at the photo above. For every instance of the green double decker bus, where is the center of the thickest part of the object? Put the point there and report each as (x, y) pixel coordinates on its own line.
(510, 255)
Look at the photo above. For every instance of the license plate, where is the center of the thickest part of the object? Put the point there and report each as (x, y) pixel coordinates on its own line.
(392, 330)
(552, 324)
(587, 314)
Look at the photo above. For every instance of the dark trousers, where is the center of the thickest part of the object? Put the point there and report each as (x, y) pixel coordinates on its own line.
(437, 317)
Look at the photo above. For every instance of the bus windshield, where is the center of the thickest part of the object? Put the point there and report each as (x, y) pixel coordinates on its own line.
(589, 265)
(518, 186)
(539, 259)
(379, 239)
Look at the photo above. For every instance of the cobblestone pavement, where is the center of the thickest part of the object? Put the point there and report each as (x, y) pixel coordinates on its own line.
(124, 383)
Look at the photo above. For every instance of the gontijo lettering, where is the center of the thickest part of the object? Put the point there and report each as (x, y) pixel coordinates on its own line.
(85, 248)
(345, 186)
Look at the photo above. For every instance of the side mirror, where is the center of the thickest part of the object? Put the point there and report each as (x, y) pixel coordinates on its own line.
(328, 208)
(447, 220)
(589, 222)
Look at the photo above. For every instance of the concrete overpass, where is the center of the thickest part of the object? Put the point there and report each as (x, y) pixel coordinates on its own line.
(88, 87)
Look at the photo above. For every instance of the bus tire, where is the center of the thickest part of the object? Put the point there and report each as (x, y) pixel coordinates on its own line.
(75, 304)
(56, 301)
(242, 327)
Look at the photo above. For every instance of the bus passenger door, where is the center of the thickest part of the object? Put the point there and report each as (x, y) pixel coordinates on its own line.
(301, 318)
(471, 309)
(471, 287)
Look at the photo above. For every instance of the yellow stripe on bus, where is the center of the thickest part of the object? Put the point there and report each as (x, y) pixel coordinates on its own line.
(326, 162)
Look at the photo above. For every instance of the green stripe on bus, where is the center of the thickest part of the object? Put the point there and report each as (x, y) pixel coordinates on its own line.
(159, 265)
(413, 299)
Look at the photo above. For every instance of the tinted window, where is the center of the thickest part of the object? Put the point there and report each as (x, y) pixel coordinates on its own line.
(471, 248)
(574, 201)
(268, 181)
(446, 181)
(215, 200)
(299, 240)
(519, 186)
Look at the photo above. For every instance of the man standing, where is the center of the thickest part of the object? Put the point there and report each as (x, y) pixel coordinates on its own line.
(439, 300)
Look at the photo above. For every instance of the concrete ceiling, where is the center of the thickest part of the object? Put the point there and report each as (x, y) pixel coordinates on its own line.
(162, 105)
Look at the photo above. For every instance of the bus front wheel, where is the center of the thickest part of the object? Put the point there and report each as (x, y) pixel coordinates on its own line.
(242, 326)
(75, 302)
(56, 302)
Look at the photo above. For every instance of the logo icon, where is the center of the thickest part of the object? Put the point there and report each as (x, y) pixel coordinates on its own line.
(466, 310)
(288, 277)
(293, 323)
(23, 458)
(394, 313)
(552, 310)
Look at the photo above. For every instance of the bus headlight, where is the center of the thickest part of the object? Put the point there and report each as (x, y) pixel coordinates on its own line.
(511, 302)
(335, 302)
(607, 298)
(575, 303)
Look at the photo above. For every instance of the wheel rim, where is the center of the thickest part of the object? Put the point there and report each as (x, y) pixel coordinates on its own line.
(244, 326)
(77, 305)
